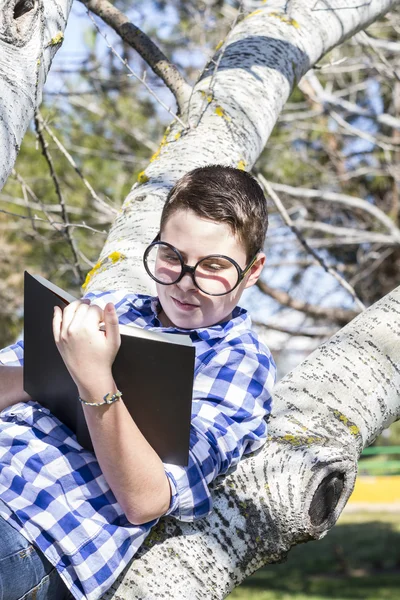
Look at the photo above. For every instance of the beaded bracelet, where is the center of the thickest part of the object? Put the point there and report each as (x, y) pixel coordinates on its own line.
(108, 399)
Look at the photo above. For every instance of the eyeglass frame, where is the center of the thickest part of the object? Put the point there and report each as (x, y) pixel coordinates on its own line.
(191, 270)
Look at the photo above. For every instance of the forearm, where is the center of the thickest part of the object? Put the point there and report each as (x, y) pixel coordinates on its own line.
(11, 386)
(131, 467)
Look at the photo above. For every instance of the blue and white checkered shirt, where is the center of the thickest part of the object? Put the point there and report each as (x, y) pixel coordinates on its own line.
(53, 490)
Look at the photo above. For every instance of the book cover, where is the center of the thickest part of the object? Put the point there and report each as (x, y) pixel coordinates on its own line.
(153, 370)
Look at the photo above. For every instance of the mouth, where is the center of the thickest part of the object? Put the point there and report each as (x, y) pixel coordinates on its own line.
(184, 305)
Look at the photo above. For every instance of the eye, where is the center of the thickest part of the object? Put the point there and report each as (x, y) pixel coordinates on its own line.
(215, 265)
(169, 256)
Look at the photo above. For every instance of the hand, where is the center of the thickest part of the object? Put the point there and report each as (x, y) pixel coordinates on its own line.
(87, 351)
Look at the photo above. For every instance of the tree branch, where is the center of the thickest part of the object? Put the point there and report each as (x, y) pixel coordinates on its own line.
(339, 315)
(147, 49)
(319, 260)
(64, 214)
(141, 79)
(312, 332)
(350, 201)
(324, 97)
(101, 204)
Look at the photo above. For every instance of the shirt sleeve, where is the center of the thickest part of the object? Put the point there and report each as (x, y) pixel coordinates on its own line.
(231, 398)
(13, 356)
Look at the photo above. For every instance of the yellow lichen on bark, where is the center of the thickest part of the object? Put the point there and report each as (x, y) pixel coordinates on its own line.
(207, 96)
(299, 440)
(162, 144)
(252, 14)
(57, 39)
(142, 177)
(91, 273)
(354, 430)
(221, 113)
(102, 264)
(285, 19)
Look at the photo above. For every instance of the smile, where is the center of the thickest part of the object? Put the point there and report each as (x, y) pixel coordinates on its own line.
(184, 306)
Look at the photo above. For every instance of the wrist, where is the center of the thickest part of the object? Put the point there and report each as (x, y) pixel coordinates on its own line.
(94, 391)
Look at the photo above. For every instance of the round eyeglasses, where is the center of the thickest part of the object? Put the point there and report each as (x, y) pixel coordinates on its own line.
(215, 274)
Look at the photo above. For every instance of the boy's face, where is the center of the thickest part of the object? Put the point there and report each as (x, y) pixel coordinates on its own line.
(183, 304)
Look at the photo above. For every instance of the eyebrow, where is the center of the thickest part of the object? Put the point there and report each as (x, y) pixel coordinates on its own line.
(184, 255)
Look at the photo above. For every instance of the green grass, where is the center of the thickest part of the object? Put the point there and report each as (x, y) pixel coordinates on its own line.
(359, 559)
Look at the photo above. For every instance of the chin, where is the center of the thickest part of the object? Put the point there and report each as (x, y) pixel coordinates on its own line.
(187, 323)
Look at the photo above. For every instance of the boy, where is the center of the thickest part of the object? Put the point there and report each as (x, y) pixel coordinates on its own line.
(89, 514)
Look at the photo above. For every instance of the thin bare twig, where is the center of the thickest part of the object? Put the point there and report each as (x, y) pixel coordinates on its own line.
(376, 50)
(76, 267)
(141, 79)
(96, 197)
(312, 332)
(364, 39)
(352, 234)
(126, 127)
(216, 64)
(372, 267)
(323, 96)
(278, 203)
(340, 315)
(57, 225)
(147, 49)
(346, 200)
(355, 131)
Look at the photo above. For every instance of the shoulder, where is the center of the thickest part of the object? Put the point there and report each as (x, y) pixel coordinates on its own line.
(240, 352)
(237, 341)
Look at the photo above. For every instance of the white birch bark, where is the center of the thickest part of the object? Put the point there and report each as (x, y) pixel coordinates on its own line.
(28, 42)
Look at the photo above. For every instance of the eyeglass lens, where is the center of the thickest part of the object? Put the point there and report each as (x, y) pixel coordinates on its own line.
(213, 274)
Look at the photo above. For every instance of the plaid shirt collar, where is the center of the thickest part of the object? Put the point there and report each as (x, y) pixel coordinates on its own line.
(240, 317)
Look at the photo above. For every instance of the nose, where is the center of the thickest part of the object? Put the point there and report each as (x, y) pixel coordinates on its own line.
(186, 283)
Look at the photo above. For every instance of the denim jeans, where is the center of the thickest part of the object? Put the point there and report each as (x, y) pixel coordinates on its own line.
(25, 572)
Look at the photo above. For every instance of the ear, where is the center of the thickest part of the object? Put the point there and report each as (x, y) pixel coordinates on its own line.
(255, 271)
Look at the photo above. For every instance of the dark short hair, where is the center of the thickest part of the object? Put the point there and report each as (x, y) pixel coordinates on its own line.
(225, 195)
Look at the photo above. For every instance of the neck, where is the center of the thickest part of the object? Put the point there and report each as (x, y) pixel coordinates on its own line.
(166, 322)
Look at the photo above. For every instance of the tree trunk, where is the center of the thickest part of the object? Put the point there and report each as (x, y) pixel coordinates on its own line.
(31, 32)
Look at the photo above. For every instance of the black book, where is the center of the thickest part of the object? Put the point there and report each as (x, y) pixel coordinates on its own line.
(153, 370)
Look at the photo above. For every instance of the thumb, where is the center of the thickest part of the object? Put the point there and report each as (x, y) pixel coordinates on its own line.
(111, 323)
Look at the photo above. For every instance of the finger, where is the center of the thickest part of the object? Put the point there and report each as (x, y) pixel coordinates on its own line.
(70, 313)
(57, 319)
(111, 323)
(93, 317)
(79, 320)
